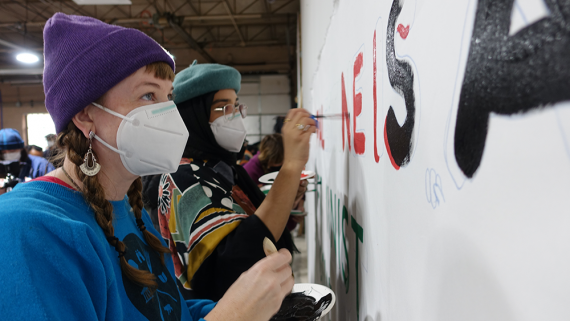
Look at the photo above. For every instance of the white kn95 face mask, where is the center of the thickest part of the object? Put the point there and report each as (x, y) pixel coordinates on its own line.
(229, 134)
(150, 139)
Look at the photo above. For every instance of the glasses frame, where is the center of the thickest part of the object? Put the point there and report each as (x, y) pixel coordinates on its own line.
(231, 115)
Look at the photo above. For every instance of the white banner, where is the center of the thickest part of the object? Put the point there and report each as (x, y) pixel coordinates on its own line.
(444, 167)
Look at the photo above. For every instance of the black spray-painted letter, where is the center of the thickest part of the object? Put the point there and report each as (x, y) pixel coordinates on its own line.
(507, 74)
(398, 139)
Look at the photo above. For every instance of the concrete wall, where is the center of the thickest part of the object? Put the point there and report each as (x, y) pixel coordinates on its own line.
(267, 97)
(15, 117)
(31, 100)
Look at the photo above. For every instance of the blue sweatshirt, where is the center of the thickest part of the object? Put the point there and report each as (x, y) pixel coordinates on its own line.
(40, 166)
(57, 264)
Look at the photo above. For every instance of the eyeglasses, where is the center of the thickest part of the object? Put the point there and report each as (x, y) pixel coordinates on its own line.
(231, 110)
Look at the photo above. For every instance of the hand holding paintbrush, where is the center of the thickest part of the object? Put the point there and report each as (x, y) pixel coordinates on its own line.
(300, 305)
(269, 248)
(259, 292)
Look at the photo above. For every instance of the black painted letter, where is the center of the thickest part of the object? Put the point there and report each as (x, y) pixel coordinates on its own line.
(398, 139)
(510, 74)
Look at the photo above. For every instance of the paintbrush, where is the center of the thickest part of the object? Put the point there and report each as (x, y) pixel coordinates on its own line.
(268, 247)
(331, 116)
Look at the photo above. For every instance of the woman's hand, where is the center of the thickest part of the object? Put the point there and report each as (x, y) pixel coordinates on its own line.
(297, 131)
(258, 293)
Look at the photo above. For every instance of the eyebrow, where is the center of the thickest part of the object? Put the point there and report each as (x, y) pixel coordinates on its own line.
(222, 101)
(152, 84)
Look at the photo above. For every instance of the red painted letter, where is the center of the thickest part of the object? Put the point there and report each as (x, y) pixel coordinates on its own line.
(320, 136)
(345, 115)
(359, 137)
(376, 156)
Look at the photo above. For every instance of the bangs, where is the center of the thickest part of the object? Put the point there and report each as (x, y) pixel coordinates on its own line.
(161, 70)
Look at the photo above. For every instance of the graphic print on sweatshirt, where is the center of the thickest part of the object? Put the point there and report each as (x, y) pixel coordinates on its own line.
(164, 303)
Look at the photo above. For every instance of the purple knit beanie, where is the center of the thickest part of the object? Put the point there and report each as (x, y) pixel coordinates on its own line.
(85, 57)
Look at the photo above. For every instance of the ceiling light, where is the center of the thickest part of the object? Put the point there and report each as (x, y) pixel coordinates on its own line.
(27, 58)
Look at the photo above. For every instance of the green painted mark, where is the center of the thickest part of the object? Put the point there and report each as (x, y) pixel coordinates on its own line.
(359, 237)
(345, 273)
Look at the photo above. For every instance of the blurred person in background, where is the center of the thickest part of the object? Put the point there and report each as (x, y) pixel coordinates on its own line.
(13, 151)
(51, 151)
(268, 159)
(35, 150)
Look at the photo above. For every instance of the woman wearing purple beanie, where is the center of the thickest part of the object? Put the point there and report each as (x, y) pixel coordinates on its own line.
(77, 243)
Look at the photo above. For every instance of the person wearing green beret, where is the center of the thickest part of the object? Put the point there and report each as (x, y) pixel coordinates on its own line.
(211, 213)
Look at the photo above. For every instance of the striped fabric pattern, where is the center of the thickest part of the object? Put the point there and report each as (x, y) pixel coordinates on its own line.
(196, 211)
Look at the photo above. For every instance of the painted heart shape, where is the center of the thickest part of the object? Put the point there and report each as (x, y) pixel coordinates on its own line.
(403, 31)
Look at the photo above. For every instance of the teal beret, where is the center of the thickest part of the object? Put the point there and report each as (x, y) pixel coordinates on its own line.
(199, 79)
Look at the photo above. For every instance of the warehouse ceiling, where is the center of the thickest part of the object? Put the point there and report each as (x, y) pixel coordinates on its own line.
(254, 36)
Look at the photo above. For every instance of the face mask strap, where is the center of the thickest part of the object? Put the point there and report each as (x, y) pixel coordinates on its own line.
(109, 146)
(112, 112)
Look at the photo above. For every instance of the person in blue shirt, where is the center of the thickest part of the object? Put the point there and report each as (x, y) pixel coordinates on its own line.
(12, 151)
(39, 165)
(77, 243)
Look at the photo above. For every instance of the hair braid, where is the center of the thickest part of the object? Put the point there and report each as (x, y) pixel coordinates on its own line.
(135, 199)
(76, 145)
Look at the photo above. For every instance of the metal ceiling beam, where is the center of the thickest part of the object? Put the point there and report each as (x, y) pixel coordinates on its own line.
(9, 51)
(271, 67)
(11, 45)
(30, 8)
(229, 43)
(234, 23)
(258, 22)
(22, 71)
(263, 43)
(283, 6)
(22, 82)
(249, 6)
(188, 38)
(212, 8)
(19, 16)
(163, 21)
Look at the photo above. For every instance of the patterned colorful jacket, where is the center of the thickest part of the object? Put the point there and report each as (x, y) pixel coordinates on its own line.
(199, 213)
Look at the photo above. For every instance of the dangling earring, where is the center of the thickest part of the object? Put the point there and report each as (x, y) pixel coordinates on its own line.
(95, 167)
